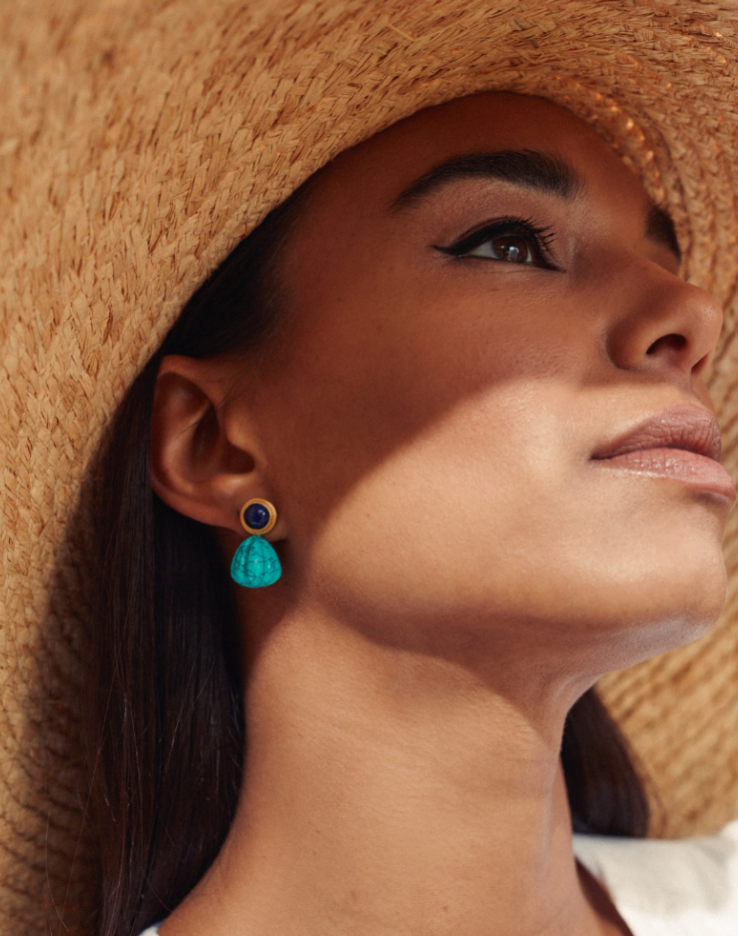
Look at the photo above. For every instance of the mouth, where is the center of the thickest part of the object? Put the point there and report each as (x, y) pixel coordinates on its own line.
(681, 443)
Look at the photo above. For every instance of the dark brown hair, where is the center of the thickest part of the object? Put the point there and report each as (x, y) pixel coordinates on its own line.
(167, 734)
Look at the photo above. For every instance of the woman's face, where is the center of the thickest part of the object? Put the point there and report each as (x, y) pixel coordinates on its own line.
(465, 345)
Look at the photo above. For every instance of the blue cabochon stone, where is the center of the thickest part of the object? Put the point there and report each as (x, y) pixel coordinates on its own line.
(255, 564)
(256, 516)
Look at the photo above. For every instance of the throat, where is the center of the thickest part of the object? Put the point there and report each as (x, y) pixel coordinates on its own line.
(390, 797)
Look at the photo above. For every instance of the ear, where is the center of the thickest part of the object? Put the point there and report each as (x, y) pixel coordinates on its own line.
(196, 468)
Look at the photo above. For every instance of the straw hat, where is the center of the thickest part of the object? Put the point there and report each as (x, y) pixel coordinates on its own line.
(139, 143)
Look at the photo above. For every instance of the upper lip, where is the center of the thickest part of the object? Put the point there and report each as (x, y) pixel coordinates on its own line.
(679, 427)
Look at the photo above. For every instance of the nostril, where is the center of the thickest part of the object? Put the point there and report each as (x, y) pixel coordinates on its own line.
(673, 342)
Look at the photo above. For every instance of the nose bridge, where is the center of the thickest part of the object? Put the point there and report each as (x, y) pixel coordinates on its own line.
(663, 324)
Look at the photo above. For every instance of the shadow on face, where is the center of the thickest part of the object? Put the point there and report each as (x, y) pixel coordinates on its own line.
(482, 298)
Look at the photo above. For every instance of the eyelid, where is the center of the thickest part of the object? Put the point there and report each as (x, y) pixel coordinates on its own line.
(540, 237)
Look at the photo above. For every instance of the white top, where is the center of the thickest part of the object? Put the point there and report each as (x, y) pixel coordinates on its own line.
(687, 887)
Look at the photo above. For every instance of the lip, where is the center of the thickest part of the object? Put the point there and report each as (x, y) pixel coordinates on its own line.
(681, 443)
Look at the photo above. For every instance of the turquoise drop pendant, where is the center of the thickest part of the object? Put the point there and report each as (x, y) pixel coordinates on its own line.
(255, 564)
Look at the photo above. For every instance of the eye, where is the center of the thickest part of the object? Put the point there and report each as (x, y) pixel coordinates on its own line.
(508, 247)
(508, 240)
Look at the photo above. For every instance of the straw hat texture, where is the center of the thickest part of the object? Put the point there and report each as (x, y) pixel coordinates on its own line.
(139, 143)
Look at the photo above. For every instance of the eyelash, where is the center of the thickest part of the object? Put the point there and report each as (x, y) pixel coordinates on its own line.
(539, 240)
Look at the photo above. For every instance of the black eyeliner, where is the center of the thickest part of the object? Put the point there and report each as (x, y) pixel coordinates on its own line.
(540, 237)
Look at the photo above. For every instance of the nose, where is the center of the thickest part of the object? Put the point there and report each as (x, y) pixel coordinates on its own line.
(666, 328)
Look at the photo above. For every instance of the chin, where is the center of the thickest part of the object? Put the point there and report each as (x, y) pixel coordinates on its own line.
(665, 611)
(659, 571)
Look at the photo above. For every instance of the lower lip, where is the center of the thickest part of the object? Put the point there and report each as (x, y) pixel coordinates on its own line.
(696, 471)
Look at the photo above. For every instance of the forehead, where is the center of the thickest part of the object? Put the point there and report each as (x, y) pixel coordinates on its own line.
(378, 170)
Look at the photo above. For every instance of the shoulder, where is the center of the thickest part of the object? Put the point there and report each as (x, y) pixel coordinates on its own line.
(685, 886)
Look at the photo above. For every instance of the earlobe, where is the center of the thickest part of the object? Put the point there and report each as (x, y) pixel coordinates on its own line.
(195, 467)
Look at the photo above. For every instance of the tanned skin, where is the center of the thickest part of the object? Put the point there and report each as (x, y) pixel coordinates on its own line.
(458, 568)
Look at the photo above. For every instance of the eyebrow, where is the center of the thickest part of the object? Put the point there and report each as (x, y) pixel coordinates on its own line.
(532, 169)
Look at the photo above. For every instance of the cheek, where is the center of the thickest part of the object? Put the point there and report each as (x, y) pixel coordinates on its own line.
(457, 515)
(363, 384)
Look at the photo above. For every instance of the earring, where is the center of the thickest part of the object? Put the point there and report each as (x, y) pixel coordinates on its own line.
(255, 563)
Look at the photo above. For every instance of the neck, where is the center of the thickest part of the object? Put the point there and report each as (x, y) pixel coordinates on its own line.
(390, 792)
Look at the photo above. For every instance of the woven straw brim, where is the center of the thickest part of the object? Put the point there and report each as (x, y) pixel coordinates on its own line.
(139, 143)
